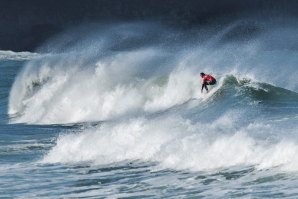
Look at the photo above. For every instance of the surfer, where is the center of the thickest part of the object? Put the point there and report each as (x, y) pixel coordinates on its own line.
(207, 80)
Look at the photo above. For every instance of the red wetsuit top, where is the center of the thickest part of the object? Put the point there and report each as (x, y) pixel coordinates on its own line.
(208, 78)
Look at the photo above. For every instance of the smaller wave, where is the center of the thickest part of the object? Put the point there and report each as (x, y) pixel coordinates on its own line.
(17, 56)
(175, 142)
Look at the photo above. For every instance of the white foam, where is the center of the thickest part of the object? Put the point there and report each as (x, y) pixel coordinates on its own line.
(176, 143)
(18, 56)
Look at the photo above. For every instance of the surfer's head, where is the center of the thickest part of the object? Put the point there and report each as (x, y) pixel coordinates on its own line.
(202, 74)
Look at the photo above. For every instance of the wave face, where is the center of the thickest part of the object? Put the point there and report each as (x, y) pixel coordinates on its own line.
(140, 84)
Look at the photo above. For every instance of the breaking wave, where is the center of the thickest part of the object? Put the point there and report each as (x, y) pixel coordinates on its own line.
(142, 88)
(176, 143)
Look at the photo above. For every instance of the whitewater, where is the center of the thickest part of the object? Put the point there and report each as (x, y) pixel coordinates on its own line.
(116, 111)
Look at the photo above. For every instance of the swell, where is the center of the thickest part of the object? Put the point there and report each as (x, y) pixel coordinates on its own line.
(261, 91)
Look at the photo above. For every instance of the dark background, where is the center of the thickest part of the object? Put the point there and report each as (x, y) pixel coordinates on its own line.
(25, 24)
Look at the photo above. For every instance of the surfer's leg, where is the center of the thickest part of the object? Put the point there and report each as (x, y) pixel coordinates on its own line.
(205, 86)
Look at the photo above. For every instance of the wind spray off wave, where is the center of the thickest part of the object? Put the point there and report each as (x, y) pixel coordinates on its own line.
(98, 92)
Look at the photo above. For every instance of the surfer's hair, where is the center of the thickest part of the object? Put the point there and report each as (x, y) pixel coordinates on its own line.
(202, 74)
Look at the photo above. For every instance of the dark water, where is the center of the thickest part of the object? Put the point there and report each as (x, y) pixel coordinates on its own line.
(119, 114)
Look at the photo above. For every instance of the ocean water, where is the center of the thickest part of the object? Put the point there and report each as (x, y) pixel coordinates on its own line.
(116, 112)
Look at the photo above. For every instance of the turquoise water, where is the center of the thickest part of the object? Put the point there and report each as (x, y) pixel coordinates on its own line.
(132, 123)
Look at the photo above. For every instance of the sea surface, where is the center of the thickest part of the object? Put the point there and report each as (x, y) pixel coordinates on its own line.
(117, 112)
